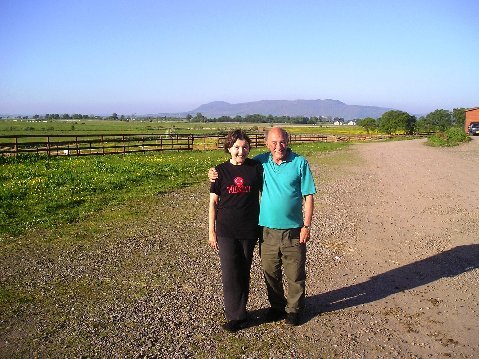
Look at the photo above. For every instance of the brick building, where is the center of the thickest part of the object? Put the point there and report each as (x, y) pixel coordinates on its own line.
(472, 115)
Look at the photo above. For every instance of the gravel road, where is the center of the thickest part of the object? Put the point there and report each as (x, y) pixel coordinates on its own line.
(392, 272)
(405, 279)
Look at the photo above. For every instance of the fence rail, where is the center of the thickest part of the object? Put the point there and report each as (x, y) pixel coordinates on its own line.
(103, 144)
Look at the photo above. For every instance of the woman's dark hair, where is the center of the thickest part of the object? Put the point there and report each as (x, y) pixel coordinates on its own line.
(233, 136)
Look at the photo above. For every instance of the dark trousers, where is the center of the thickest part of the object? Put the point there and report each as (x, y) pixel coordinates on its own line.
(280, 249)
(236, 257)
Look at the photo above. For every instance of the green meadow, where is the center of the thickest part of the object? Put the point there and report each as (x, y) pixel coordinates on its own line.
(36, 191)
(89, 126)
(41, 192)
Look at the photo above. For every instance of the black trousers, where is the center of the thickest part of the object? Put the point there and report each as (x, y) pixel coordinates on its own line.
(236, 257)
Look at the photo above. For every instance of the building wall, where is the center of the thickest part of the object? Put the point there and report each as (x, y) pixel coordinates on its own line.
(472, 115)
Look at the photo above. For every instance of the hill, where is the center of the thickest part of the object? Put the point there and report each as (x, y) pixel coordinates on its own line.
(326, 108)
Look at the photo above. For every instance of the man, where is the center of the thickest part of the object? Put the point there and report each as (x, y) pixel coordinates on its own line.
(287, 184)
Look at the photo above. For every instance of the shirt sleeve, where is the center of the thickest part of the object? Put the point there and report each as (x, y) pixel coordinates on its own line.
(262, 158)
(259, 174)
(215, 187)
(307, 180)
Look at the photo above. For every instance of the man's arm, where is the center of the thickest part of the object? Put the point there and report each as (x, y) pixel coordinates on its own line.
(308, 218)
(212, 174)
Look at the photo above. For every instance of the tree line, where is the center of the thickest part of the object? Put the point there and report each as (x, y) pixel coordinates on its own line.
(258, 118)
(393, 121)
(396, 121)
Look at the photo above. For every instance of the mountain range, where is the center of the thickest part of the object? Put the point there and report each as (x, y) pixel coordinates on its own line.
(308, 108)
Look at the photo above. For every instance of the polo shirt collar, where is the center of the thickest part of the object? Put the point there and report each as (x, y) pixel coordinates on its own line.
(289, 156)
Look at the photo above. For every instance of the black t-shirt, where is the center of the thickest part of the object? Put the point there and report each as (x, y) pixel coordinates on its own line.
(238, 189)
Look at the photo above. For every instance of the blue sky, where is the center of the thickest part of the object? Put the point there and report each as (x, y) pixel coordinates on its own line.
(147, 56)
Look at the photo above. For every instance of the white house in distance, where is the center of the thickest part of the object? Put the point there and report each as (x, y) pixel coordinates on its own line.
(340, 123)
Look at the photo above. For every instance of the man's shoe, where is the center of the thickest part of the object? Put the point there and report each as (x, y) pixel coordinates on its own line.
(233, 326)
(292, 319)
(274, 315)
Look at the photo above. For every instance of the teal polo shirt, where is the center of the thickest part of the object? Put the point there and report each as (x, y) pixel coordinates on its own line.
(284, 186)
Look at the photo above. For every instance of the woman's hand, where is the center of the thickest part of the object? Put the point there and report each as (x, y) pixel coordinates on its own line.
(212, 240)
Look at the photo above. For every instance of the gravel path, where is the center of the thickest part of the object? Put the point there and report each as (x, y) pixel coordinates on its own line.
(392, 272)
(405, 278)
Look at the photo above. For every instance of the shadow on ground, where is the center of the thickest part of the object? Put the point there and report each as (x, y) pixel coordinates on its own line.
(450, 263)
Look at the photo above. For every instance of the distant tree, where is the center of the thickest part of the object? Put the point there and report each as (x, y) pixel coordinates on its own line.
(189, 117)
(224, 119)
(459, 116)
(422, 126)
(410, 124)
(199, 117)
(396, 121)
(66, 116)
(298, 120)
(368, 123)
(114, 116)
(255, 118)
(440, 120)
(36, 117)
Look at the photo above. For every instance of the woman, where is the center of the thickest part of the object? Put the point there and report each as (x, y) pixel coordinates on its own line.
(233, 224)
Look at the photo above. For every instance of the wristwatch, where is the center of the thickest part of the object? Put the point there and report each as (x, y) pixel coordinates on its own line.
(305, 226)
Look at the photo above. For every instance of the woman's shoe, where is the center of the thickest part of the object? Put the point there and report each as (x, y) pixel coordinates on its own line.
(233, 326)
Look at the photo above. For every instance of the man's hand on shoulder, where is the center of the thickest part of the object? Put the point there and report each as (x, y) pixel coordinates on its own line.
(212, 174)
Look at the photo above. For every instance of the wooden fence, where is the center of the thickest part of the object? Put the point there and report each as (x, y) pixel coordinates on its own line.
(102, 144)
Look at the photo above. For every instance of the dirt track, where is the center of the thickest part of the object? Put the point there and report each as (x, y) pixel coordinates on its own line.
(405, 277)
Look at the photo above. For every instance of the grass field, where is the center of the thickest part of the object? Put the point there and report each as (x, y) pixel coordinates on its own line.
(72, 127)
(37, 191)
(25, 127)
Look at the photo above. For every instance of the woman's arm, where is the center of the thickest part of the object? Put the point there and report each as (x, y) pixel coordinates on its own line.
(212, 221)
